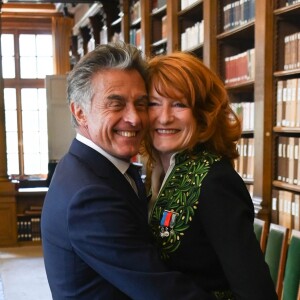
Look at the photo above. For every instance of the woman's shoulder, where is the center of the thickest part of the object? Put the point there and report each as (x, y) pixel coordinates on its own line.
(196, 156)
(223, 179)
(224, 167)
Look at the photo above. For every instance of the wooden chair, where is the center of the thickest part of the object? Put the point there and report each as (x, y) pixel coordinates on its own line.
(275, 254)
(291, 281)
(261, 232)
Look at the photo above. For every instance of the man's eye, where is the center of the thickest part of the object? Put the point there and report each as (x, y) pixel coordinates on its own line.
(116, 103)
(142, 105)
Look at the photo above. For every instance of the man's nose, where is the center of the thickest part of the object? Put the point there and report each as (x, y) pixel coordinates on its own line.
(131, 115)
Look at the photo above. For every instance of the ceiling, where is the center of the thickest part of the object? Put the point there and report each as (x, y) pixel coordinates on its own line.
(48, 1)
(59, 4)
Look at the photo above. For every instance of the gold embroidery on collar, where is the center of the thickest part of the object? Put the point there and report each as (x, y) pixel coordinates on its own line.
(180, 194)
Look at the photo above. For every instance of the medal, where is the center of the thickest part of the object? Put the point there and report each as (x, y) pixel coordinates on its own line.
(167, 223)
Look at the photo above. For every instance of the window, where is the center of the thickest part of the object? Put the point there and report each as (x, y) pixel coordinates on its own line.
(26, 59)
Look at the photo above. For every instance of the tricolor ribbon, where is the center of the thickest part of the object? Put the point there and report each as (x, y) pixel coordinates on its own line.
(168, 219)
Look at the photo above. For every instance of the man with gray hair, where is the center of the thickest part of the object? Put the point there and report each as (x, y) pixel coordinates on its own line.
(96, 240)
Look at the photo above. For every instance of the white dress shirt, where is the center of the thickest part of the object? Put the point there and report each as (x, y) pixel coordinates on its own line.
(120, 164)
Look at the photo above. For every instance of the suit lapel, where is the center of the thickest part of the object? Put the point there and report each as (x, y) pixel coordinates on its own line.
(102, 167)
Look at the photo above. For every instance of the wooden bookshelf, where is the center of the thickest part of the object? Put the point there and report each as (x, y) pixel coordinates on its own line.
(251, 33)
(161, 25)
(16, 206)
(235, 42)
(8, 225)
(191, 28)
(158, 28)
(29, 202)
(286, 118)
(219, 42)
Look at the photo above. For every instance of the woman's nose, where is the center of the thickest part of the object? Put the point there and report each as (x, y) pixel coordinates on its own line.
(165, 115)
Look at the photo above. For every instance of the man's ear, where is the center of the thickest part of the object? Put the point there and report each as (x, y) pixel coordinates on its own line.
(78, 113)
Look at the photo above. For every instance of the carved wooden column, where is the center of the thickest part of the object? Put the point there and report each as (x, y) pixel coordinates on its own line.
(8, 224)
(3, 163)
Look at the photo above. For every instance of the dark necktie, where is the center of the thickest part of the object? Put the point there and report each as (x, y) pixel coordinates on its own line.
(135, 175)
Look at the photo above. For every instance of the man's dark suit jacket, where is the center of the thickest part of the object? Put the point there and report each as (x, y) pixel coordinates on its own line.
(96, 239)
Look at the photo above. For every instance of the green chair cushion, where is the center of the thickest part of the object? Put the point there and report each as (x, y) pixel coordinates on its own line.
(273, 251)
(292, 270)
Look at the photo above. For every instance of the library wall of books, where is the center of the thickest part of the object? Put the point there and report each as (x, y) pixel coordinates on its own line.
(254, 46)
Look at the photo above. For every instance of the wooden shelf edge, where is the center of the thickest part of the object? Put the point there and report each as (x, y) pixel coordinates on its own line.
(159, 43)
(116, 22)
(286, 129)
(159, 11)
(286, 9)
(229, 33)
(248, 132)
(196, 48)
(248, 180)
(286, 186)
(136, 22)
(189, 8)
(287, 72)
(240, 85)
(29, 243)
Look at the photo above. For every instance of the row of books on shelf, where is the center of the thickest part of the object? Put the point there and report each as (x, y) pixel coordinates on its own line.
(292, 51)
(161, 50)
(288, 169)
(29, 228)
(164, 32)
(80, 46)
(135, 36)
(244, 165)
(104, 35)
(250, 188)
(286, 209)
(238, 13)
(288, 103)
(240, 67)
(135, 12)
(29, 224)
(291, 2)
(245, 112)
(187, 3)
(193, 36)
(91, 44)
(157, 4)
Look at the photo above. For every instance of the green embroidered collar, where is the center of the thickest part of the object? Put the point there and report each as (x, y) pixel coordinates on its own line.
(180, 195)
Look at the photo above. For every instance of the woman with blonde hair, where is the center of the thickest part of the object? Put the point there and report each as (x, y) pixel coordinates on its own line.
(201, 213)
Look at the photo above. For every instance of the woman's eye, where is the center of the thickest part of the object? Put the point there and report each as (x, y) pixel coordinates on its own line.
(153, 103)
(179, 104)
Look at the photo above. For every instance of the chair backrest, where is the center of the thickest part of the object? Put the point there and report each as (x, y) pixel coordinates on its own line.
(261, 231)
(291, 279)
(275, 254)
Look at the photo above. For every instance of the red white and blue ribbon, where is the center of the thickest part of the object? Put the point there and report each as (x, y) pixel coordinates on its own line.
(167, 222)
